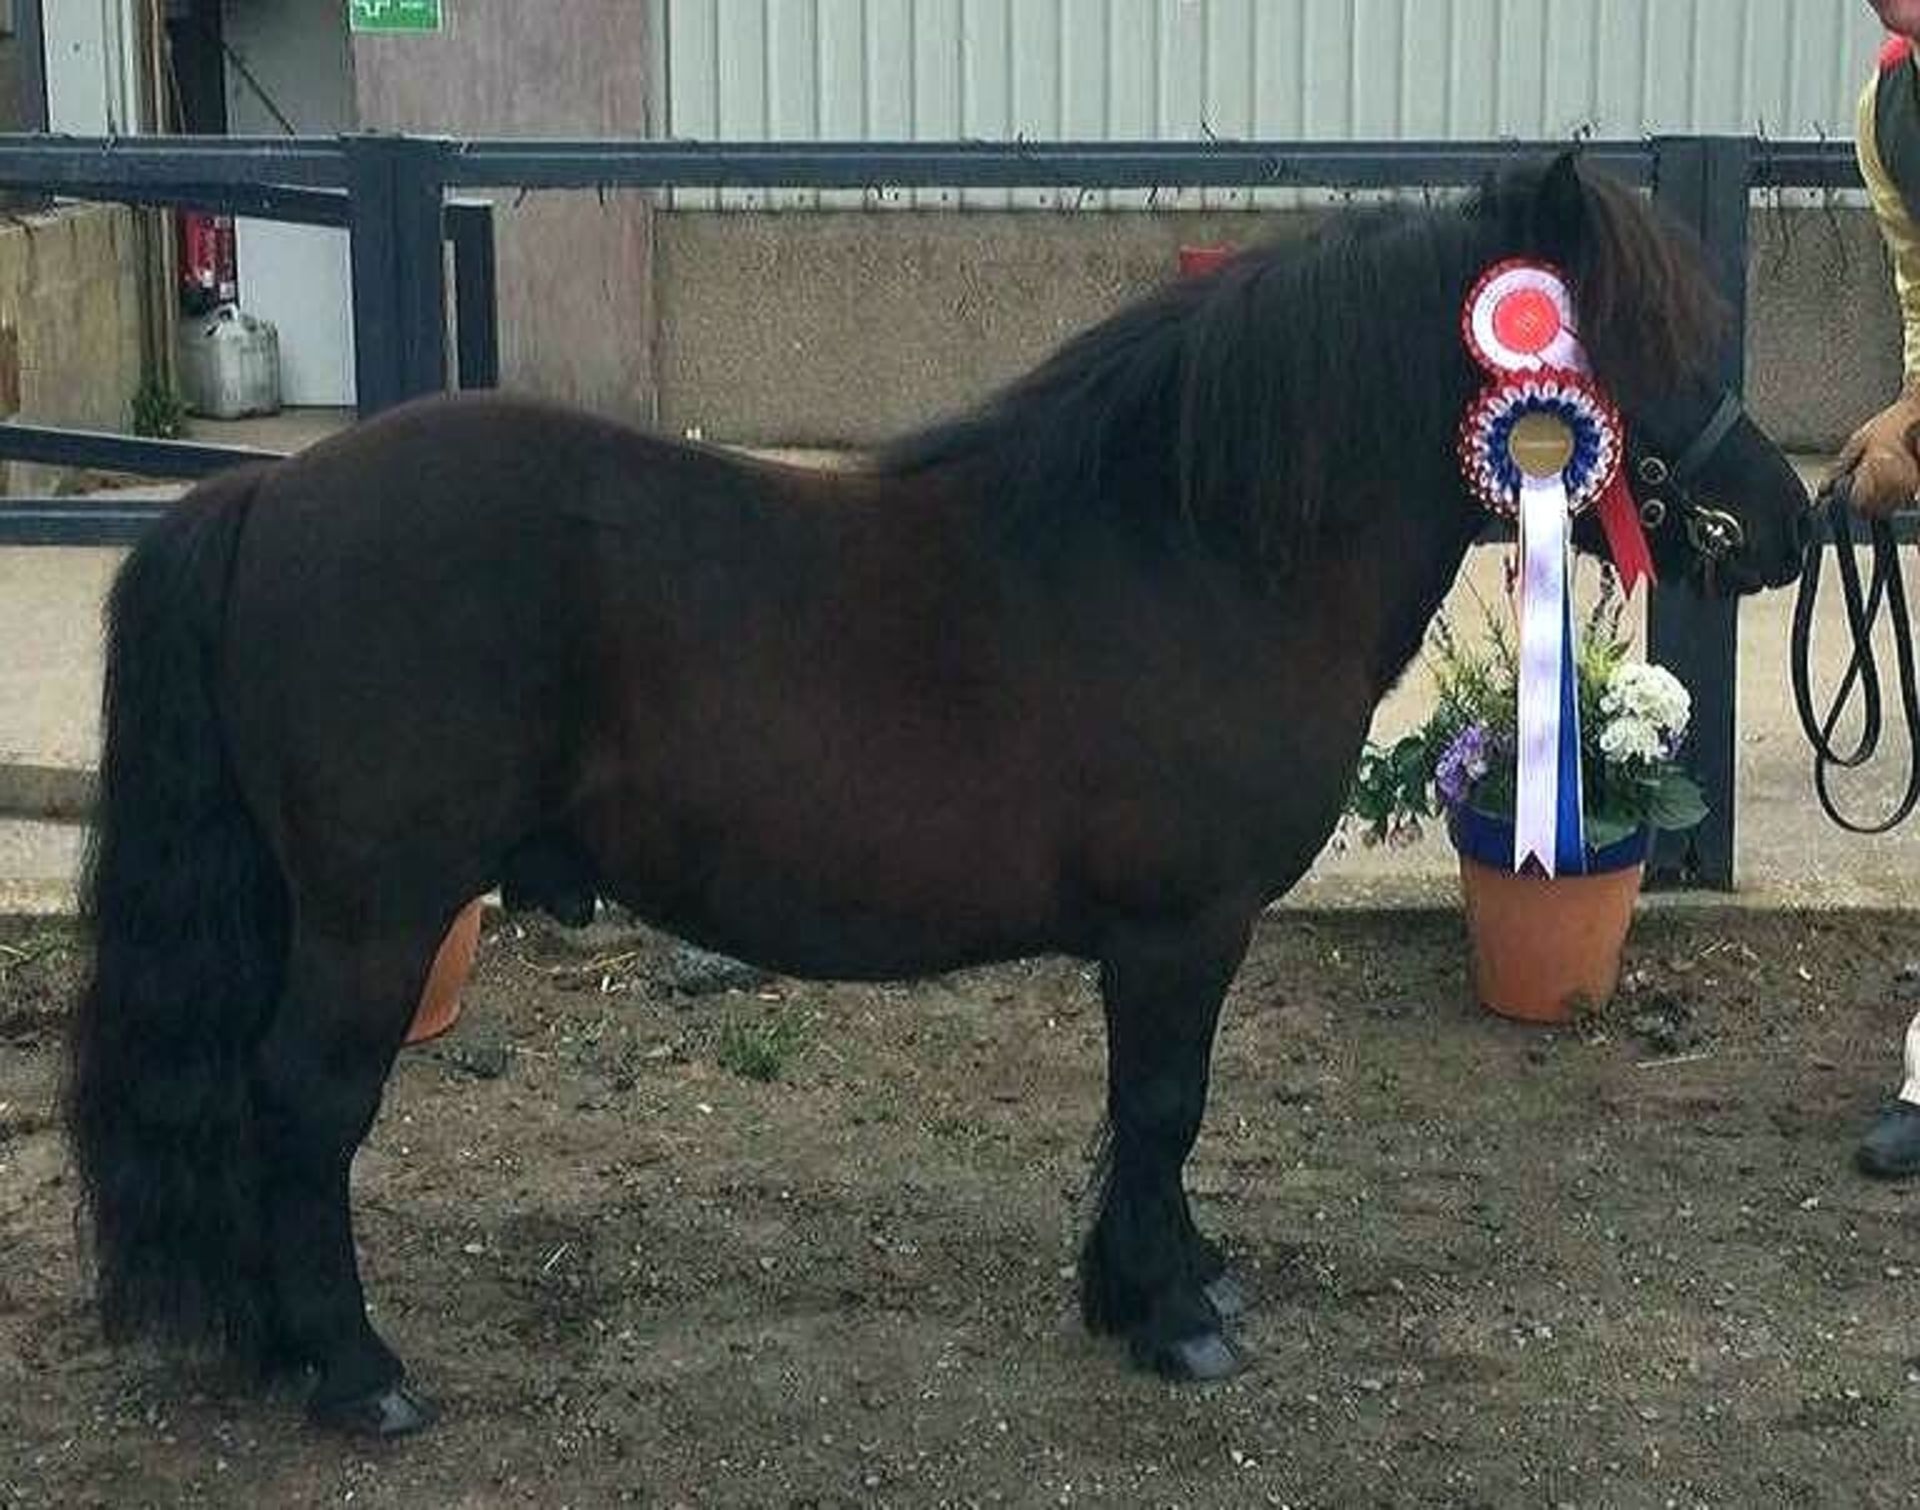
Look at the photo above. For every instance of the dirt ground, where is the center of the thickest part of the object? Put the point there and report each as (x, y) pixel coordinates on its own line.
(785, 1244)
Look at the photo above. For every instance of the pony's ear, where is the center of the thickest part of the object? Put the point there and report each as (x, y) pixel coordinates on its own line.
(1560, 211)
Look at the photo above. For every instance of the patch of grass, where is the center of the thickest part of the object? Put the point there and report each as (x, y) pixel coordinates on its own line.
(762, 1050)
(159, 412)
(31, 948)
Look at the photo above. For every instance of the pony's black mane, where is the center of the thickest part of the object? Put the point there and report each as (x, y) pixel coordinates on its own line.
(1241, 407)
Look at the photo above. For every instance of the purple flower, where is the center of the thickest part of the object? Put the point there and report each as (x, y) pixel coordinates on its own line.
(1461, 764)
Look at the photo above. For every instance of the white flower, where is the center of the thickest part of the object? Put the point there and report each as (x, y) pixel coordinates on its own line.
(1626, 738)
(1646, 694)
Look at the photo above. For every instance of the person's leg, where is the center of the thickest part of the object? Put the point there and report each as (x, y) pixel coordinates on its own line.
(1891, 1149)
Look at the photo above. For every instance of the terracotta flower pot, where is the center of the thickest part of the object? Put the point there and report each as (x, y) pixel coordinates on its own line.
(439, 1005)
(1542, 948)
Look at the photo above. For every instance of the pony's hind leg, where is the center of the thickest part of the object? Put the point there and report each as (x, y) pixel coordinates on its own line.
(317, 1082)
(1147, 1273)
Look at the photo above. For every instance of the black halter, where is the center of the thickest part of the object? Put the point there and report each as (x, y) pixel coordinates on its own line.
(1863, 671)
(1713, 533)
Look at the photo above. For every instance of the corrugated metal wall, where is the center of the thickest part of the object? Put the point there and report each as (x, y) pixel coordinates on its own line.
(1375, 69)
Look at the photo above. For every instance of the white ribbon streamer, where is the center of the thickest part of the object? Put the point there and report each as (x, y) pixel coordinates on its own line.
(1545, 529)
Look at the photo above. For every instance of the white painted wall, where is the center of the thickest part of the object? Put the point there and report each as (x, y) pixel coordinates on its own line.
(299, 277)
(92, 72)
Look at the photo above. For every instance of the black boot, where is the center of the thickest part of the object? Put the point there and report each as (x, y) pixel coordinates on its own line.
(1891, 1148)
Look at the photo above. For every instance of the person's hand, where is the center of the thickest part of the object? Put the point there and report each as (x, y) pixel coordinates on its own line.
(1880, 462)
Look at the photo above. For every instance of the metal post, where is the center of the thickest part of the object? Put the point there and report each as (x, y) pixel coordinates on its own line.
(1704, 182)
(378, 379)
(399, 269)
(30, 49)
(30, 42)
(475, 301)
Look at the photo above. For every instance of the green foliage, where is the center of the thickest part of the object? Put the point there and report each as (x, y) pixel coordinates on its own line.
(762, 1050)
(1393, 788)
(1417, 777)
(159, 412)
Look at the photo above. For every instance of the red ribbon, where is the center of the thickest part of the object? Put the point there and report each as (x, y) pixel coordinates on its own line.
(1626, 541)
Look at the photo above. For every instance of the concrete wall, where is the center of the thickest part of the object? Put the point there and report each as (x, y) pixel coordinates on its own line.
(575, 272)
(1823, 331)
(70, 319)
(843, 328)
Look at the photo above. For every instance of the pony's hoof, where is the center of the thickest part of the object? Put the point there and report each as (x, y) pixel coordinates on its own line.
(1197, 1359)
(1227, 1297)
(390, 1412)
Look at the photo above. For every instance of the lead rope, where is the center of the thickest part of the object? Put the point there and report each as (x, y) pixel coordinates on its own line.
(1863, 670)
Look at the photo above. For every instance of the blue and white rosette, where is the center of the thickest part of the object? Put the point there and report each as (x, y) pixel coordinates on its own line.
(1539, 446)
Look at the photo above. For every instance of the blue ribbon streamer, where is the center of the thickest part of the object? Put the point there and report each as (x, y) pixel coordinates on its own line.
(1570, 835)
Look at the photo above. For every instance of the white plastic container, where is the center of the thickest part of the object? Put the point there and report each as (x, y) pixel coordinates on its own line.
(229, 364)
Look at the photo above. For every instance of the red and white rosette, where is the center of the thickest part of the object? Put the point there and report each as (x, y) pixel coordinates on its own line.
(1519, 318)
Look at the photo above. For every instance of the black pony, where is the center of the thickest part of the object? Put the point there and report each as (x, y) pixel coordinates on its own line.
(1083, 672)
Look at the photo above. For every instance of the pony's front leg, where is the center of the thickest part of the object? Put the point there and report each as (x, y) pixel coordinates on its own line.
(1147, 1273)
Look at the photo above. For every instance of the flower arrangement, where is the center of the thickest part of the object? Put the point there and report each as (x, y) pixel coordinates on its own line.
(1633, 726)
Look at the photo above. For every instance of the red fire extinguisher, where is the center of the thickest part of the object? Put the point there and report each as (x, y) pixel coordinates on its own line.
(1196, 260)
(209, 268)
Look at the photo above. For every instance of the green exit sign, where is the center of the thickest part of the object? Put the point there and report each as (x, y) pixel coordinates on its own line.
(394, 15)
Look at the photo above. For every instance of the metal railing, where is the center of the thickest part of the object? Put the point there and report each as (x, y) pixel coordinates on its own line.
(296, 180)
(391, 194)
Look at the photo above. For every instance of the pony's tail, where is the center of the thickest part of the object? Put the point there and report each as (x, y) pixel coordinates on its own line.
(187, 916)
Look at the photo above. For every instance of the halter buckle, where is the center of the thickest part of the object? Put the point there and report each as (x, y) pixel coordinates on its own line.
(1714, 533)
